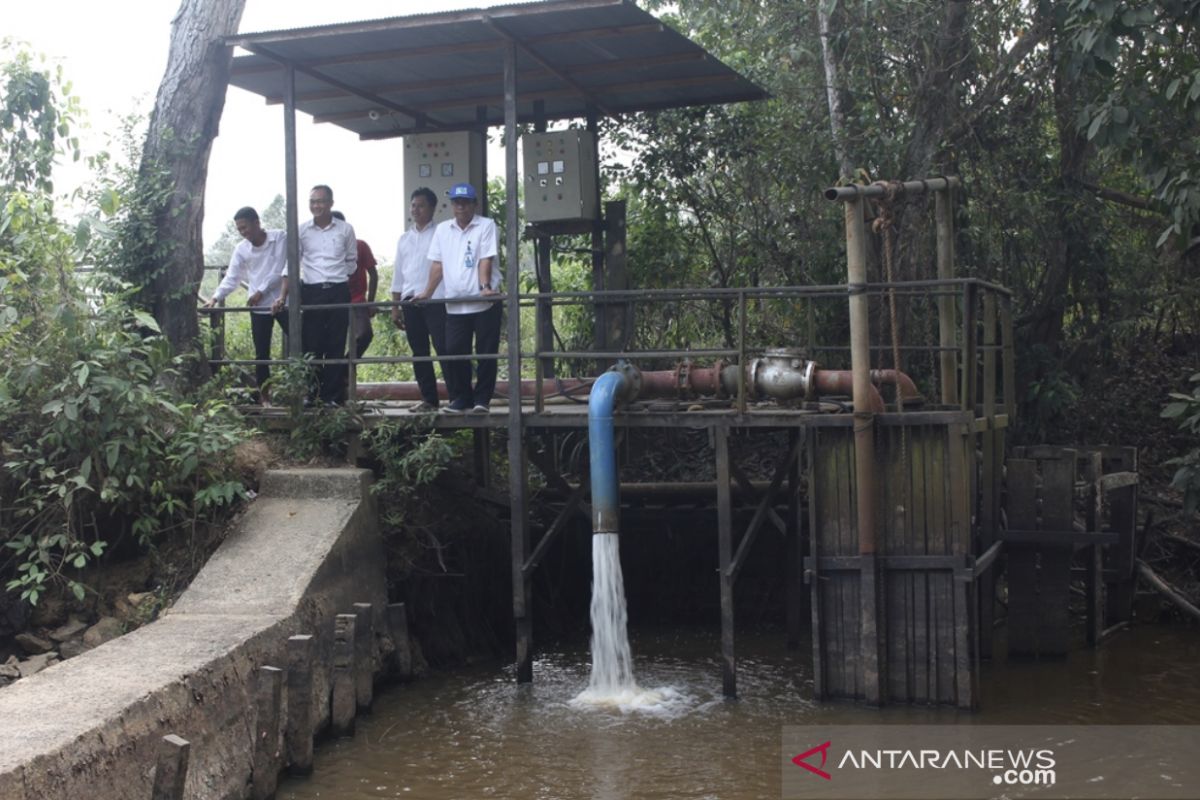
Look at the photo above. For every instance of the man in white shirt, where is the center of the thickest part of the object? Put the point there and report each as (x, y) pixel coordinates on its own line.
(421, 324)
(328, 257)
(463, 257)
(256, 262)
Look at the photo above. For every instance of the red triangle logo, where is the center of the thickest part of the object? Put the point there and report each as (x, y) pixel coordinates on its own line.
(802, 760)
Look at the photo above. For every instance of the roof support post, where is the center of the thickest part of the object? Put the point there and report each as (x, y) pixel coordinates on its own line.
(599, 278)
(518, 468)
(293, 210)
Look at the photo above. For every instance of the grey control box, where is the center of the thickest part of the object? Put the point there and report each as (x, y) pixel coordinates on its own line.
(560, 176)
(440, 160)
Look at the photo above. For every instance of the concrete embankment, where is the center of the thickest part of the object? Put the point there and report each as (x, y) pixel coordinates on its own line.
(306, 549)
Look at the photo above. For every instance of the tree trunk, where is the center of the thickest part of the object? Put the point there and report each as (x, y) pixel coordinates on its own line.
(174, 165)
(833, 82)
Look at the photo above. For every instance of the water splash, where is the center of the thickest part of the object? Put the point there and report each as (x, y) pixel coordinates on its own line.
(612, 684)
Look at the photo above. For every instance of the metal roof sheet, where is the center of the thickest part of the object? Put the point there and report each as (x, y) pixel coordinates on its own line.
(444, 71)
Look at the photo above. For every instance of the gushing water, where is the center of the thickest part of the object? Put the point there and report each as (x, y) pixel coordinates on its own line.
(612, 684)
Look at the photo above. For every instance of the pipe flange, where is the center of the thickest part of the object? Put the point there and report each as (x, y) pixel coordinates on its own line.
(631, 387)
(718, 367)
(809, 379)
(683, 379)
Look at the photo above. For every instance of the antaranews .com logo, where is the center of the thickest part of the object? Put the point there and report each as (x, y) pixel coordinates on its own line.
(960, 762)
(1007, 767)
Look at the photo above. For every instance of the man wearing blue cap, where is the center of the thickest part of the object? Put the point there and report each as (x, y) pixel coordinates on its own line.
(463, 257)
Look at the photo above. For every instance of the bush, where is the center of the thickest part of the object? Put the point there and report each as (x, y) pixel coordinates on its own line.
(97, 444)
(96, 439)
(1186, 409)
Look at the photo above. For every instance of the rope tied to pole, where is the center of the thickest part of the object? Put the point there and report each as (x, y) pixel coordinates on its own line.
(884, 225)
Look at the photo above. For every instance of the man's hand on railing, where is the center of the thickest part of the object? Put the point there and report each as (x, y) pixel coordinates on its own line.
(277, 306)
(398, 316)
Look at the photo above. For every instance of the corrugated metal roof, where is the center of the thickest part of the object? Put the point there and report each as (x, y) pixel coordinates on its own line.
(444, 71)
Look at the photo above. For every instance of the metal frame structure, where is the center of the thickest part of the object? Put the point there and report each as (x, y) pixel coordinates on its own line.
(858, 577)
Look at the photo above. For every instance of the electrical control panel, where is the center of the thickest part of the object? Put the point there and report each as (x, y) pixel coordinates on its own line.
(439, 161)
(560, 176)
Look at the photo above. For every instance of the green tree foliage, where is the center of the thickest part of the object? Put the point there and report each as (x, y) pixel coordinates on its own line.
(1144, 107)
(96, 445)
(1185, 408)
(1073, 126)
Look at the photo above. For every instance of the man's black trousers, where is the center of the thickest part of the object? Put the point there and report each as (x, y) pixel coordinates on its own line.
(424, 324)
(484, 328)
(323, 334)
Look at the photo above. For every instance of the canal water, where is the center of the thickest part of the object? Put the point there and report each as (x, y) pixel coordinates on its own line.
(474, 733)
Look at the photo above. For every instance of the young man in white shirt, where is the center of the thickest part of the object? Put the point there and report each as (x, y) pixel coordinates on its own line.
(463, 257)
(328, 257)
(421, 324)
(257, 262)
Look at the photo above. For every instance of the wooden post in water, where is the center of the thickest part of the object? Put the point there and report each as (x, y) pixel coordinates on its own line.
(345, 701)
(398, 626)
(725, 551)
(364, 656)
(794, 569)
(170, 774)
(298, 734)
(992, 466)
(864, 449)
(268, 703)
(944, 222)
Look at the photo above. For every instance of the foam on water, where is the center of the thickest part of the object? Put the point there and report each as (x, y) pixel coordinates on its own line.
(612, 685)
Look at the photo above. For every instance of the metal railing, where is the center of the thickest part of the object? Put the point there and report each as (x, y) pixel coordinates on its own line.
(982, 311)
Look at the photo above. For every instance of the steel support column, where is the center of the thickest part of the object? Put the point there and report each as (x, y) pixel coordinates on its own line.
(293, 210)
(518, 485)
(725, 548)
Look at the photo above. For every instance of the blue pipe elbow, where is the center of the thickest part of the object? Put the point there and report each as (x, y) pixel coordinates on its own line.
(602, 450)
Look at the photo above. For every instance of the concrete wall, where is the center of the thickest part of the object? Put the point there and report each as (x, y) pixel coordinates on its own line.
(306, 549)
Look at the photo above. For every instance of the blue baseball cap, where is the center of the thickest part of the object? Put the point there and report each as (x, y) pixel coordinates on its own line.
(462, 191)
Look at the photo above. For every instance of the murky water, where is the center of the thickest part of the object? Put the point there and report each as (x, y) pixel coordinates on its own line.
(475, 733)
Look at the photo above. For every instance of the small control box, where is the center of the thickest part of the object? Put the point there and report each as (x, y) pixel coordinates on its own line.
(440, 160)
(560, 176)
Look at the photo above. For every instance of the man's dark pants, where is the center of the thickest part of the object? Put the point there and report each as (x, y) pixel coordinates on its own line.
(424, 324)
(260, 332)
(323, 334)
(484, 328)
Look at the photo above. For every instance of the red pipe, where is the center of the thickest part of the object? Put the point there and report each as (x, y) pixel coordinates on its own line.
(841, 381)
(683, 381)
(408, 390)
(904, 384)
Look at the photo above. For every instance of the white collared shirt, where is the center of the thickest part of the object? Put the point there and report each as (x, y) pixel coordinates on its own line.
(257, 267)
(411, 275)
(460, 251)
(327, 255)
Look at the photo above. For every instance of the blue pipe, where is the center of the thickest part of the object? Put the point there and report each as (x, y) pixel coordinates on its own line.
(602, 450)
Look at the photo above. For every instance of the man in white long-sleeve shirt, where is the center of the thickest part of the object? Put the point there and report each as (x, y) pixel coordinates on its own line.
(257, 262)
(328, 257)
(423, 323)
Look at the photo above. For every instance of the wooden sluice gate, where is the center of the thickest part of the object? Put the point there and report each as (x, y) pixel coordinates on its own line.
(1067, 506)
(919, 644)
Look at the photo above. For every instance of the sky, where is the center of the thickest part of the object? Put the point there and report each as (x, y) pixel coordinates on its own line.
(114, 55)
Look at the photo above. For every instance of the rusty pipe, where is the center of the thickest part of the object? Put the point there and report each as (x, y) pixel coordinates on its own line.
(841, 381)
(905, 388)
(720, 380)
(408, 390)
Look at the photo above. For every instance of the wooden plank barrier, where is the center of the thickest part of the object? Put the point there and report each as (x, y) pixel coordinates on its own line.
(927, 573)
(1057, 499)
